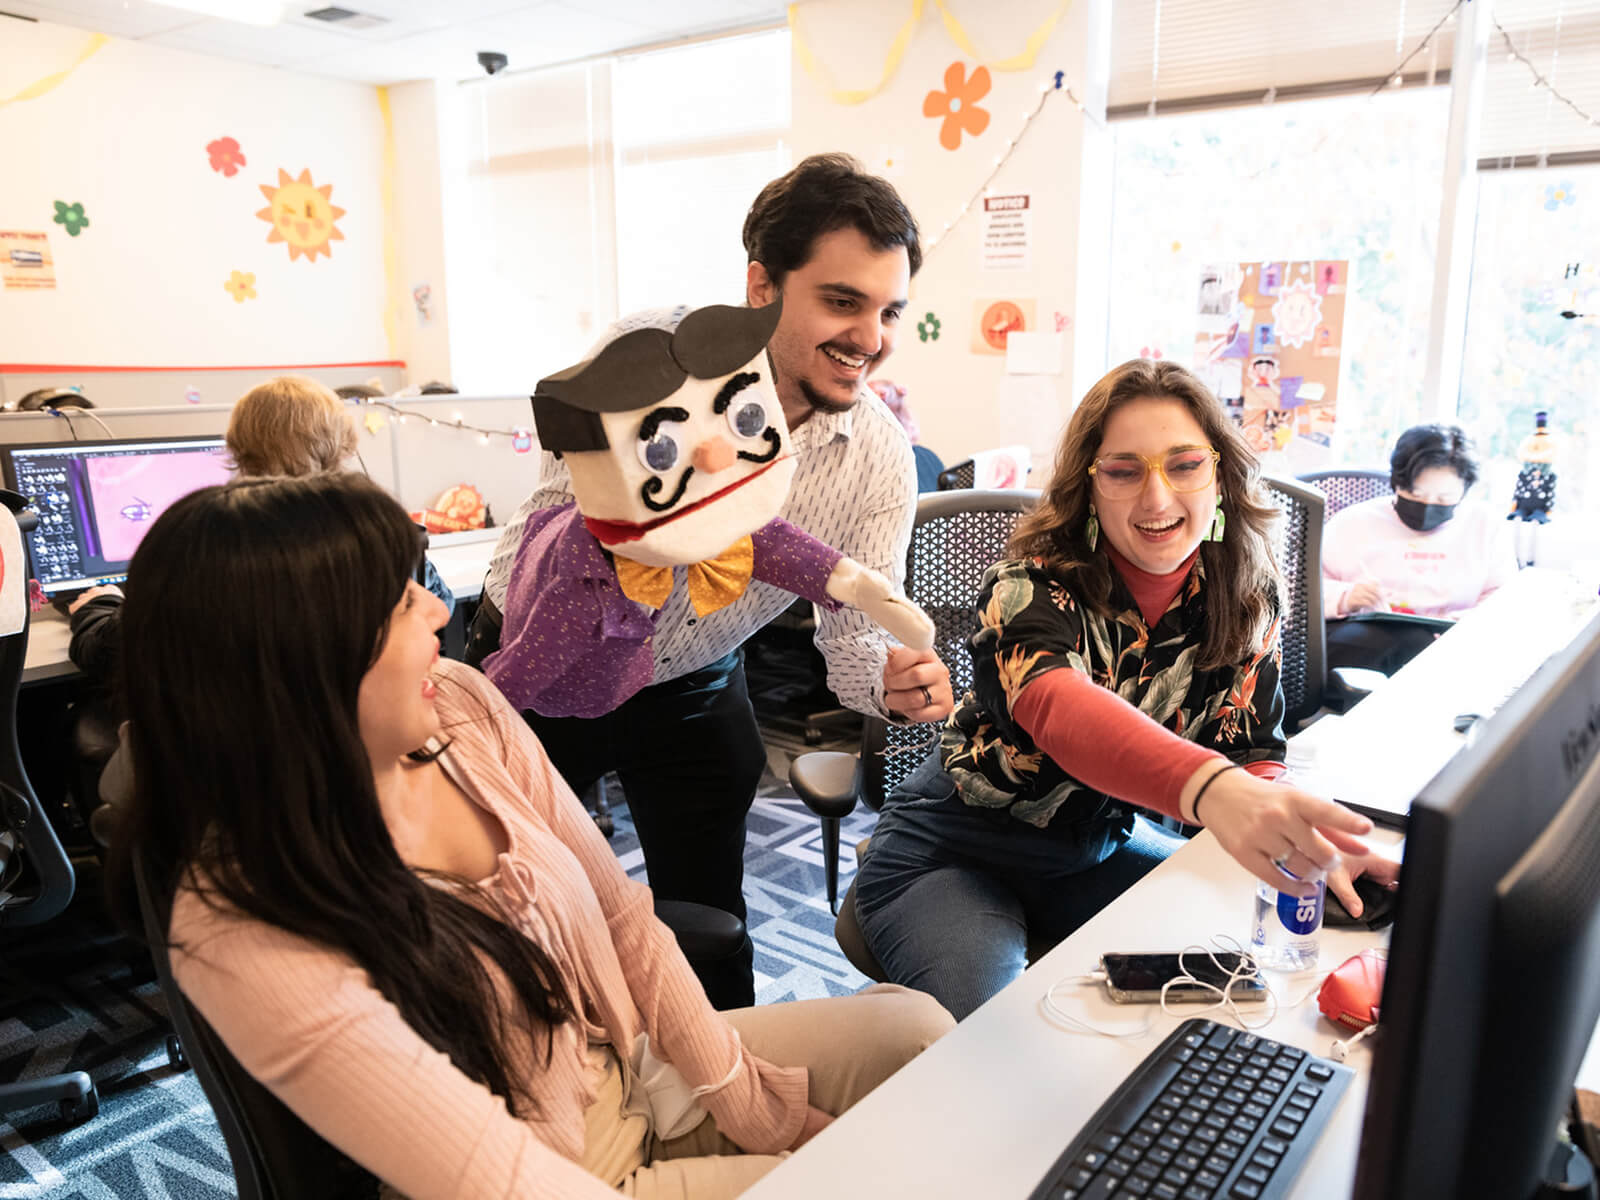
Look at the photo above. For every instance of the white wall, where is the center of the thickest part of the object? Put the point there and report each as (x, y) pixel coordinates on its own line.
(963, 401)
(125, 135)
(419, 223)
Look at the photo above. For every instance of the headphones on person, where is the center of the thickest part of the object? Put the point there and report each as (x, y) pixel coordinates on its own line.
(43, 399)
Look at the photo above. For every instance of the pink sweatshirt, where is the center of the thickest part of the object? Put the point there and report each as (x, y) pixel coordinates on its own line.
(1444, 571)
(308, 1023)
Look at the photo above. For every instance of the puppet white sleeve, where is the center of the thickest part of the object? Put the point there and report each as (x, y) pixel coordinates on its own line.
(856, 649)
(554, 491)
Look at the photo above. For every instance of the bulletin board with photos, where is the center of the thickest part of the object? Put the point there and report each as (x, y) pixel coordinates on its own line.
(1268, 344)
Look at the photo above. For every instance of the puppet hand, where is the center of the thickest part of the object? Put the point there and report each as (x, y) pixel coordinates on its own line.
(863, 588)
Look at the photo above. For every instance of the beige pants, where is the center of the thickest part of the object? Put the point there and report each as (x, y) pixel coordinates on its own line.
(849, 1045)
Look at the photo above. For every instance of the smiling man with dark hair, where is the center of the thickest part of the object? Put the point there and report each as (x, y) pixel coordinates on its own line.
(838, 248)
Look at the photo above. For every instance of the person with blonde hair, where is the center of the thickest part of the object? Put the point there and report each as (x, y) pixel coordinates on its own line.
(290, 425)
(1126, 663)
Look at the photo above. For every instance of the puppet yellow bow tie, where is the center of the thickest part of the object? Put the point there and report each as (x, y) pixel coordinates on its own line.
(713, 584)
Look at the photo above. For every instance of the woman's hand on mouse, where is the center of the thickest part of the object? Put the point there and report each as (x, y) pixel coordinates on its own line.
(1342, 879)
(1271, 828)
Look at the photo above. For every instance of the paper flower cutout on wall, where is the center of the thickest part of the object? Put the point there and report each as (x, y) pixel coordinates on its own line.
(1558, 194)
(1151, 352)
(928, 328)
(957, 104)
(241, 285)
(301, 214)
(521, 441)
(226, 157)
(1063, 322)
(71, 216)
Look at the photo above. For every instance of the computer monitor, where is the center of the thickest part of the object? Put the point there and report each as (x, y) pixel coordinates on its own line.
(1492, 989)
(95, 500)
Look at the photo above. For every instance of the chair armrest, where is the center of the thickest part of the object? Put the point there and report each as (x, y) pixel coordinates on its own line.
(828, 782)
(704, 934)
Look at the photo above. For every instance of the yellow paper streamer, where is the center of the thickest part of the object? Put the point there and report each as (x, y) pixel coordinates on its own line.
(897, 51)
(1017, 62)
(1021, 61)
(50, 82)
(391, 255)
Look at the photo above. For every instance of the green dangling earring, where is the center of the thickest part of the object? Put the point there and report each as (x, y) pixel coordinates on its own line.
(1218, 523)
(1091, 531)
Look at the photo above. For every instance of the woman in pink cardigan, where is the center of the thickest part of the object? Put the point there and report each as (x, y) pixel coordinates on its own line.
(395, 913)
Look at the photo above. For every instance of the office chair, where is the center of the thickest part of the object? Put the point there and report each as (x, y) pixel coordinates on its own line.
(275, 1155)
(1346, 486)
(1308, 683)
(957, 537)
(36, 876)
(1003, 467)
(957, 476)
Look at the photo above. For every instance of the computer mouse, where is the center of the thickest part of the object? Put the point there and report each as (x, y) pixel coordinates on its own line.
(1352, 995)
(1377, 906)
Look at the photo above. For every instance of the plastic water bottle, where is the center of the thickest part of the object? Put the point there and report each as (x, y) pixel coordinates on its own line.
(1287, 928)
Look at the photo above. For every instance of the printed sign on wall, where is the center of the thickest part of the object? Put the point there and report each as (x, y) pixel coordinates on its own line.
(25, 261)
(1007, 222)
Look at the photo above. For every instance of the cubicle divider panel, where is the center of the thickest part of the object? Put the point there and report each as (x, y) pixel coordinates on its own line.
(433, 454)
(142, 387)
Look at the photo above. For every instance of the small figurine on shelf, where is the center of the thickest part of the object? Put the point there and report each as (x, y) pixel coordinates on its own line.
(1535, 493)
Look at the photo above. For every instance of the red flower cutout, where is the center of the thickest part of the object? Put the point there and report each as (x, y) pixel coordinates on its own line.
(957, 104)
(225, 156)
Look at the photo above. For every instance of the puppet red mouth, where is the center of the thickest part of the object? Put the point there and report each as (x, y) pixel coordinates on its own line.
(610, 533)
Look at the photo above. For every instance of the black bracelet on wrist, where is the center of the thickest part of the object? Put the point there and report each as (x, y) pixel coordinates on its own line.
(1194, 808)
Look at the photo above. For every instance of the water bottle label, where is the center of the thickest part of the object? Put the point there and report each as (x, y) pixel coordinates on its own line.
(1300, 916)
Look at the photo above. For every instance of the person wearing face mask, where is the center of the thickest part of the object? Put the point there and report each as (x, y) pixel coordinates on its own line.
(1423, 550)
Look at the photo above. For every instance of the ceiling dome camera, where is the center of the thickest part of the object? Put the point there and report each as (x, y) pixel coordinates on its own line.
(492, 61)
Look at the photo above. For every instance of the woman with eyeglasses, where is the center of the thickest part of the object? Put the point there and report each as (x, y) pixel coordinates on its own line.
(1126, 664)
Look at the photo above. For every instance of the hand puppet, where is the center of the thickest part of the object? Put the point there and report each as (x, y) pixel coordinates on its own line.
(680, 461)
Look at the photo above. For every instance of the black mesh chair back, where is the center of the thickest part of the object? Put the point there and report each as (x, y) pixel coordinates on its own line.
(957, 537)
(958, 476)
(1298, 550)
(1344, 488)
(276, 1155)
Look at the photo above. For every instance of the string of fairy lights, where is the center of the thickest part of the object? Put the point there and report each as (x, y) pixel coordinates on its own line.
(454, 421)
(1048, 89)
(1540, 80)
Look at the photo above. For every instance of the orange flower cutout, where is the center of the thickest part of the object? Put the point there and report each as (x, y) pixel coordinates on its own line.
(958, 104)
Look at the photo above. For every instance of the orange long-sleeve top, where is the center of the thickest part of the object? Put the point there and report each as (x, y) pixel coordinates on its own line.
(309, 1024)
(1100, 738)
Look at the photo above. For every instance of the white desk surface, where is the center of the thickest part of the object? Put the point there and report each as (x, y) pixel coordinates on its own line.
(462, 559)
(48, 637)
(986, 1110)
(1393, 741)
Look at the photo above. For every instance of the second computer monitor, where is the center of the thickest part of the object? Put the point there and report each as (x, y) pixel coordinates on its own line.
(95, 500)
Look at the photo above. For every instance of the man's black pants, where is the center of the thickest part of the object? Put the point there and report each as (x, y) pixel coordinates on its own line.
(689, 754)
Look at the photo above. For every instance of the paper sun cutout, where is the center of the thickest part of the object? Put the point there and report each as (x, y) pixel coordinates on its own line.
(226, 157)
(1296, 314)
(301, 214)
(71, 216)
(957, 104)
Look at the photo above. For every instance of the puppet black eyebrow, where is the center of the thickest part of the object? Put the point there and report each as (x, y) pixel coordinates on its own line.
(667, 412)
(733, 387)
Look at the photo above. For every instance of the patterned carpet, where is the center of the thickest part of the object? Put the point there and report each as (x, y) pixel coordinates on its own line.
(76, 997)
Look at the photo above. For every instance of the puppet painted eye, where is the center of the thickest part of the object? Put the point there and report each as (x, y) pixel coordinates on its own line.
(661, 451)
(748, 418)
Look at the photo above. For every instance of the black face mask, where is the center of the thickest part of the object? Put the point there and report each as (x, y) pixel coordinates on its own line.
(1422, 517)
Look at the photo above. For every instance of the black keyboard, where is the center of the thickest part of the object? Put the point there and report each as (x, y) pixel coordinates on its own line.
(1212, 1111)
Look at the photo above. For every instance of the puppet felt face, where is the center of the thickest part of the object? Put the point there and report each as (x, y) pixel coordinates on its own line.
(676, 441)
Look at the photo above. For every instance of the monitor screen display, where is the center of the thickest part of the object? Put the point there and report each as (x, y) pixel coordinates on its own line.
(95, 500)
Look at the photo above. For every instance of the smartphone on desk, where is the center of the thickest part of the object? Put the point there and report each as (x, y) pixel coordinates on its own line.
(1139, 978)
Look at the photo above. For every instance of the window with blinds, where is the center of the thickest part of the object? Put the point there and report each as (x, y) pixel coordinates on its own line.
(605, 187)
(1523, 122)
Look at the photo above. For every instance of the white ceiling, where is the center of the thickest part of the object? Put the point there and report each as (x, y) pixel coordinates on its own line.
(419, 39)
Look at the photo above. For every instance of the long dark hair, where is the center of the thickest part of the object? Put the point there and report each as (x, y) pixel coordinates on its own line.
(255, 610)
(1239, 570)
